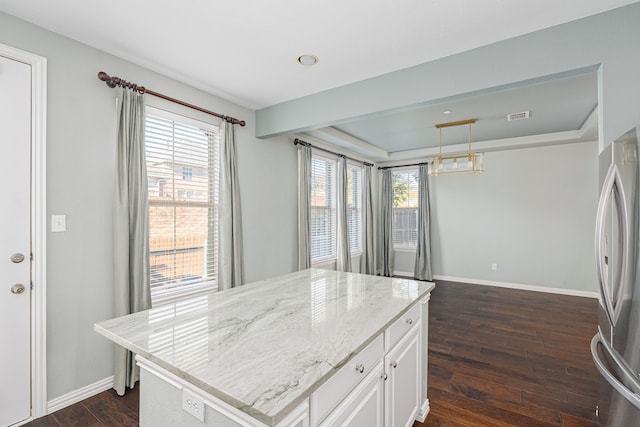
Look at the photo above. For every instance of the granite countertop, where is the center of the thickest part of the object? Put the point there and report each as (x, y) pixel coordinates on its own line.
(266, 346)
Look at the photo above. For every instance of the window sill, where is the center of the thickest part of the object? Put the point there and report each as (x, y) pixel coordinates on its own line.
(170, 296)
(404, 249)
(323, 262)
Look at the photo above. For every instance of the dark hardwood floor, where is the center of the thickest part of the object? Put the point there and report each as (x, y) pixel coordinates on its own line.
(102, 410)
(497, 357)
(503, 357)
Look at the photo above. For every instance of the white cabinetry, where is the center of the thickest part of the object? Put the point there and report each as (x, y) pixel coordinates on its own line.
(389, 394)
(402, 387)
(364, 406)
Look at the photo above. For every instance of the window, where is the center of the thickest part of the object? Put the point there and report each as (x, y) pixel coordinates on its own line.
(323, 209)
(405, 209)
(187, 173)
(354, 207)
(182, 161)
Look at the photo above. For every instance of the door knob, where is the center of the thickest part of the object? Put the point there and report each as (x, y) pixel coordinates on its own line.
(17, 289)
(17, 258)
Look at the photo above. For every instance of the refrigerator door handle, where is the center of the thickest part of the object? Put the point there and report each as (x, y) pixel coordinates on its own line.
(632, 397)
(612, 293)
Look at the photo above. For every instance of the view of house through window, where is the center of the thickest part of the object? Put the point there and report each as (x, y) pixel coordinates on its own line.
(405, 209)
(182, 171)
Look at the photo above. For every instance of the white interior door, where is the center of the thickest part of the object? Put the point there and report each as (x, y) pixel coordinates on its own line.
(15, 241)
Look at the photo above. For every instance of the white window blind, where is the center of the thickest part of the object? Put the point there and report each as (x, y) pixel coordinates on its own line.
(354, 207)
(323, 209)
(405, 209)
(182, 170)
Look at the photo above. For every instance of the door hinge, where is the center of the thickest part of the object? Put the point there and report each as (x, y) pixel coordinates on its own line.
(31, 256)
(31, 283)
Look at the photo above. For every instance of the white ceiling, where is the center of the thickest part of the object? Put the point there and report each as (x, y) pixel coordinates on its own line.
(245, 50)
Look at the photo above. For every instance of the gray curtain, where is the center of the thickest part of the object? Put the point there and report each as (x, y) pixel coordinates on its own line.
(386, 232)
(343, 249)
(230, 253)
(304, 207)
(422, 269)
(131, 227)
(367, 261)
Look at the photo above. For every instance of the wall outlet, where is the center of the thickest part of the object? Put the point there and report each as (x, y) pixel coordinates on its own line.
(494, 267)
(193, 404)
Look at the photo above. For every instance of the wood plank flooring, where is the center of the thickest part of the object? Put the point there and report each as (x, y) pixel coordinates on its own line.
(503, 357)
(497, 357)
(102, 410)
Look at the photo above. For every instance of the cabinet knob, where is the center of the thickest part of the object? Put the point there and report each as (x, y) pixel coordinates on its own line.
(409, 321)
(384, 376)
(394, 364)
(360, 368)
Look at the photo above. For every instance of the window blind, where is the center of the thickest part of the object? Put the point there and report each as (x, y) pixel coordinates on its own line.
(405, 209)
(354, 207)
(182, 170)
(323, 209)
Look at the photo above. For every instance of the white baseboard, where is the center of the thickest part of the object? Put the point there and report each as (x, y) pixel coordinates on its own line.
(423, 411)
(519, 286)
(79, 394)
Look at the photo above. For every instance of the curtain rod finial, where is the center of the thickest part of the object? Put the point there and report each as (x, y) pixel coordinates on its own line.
(107, 79)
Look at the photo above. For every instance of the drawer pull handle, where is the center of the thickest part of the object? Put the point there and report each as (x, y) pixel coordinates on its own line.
(409, 321)
(360, 368)
(394, 364)
(384, 376)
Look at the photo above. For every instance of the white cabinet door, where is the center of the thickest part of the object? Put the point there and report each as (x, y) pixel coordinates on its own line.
(363, 406)
(402, 388)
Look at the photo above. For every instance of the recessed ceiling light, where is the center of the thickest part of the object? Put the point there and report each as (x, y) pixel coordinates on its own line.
(307, 59)
(447, 112)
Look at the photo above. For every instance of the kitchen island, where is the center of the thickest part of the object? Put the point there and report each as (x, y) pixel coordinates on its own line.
(314, 347)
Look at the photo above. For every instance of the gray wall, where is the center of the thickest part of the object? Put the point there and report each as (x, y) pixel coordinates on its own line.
(610, 39)
(81, 151)
(80, 178)
(532, 212)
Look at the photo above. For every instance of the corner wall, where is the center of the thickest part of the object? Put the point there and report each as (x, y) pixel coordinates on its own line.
(532, 212)
(80, 184)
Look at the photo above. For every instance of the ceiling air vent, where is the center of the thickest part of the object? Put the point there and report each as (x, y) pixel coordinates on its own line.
(517, 116)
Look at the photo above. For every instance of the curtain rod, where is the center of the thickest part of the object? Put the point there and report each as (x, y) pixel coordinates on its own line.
(117, 81)
(403, 166)
(306, 144)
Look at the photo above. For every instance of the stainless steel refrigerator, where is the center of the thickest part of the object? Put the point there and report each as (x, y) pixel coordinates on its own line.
(616, 346)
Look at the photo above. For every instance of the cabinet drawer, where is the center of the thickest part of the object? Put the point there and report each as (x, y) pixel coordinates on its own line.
(338, 386)
(400, 327)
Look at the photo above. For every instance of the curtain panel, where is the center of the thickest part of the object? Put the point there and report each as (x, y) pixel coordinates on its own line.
(386, 232)
(422, 269)
(230, 250)
(367, 261)
(304, 207)
(132, 292)
(343, 249)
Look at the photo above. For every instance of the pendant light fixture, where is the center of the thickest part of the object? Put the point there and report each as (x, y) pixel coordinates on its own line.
(470, 162)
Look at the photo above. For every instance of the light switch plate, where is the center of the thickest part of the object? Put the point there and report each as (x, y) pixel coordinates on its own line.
(58, 223)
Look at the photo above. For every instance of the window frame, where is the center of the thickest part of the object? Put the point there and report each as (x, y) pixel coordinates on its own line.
(404, 248)
(333, 256)
(359, 209)
(182, 115)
